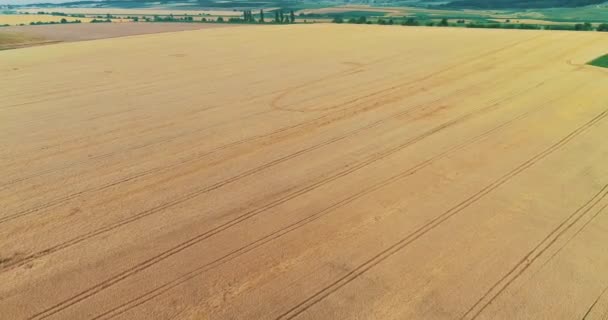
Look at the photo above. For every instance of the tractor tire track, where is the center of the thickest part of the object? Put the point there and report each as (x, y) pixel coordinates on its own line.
(559, 250)
(148, 144)
(248, 215)
(311, 122)
(233, 179)
(195, 158)
(594, 303)
(110, 154)
(438, 220)
(174, 137)
(110, 85)
(208, 153)
(516, 271)
(303, 222)
(276, 100)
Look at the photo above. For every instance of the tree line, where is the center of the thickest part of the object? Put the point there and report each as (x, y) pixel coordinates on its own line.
(62, 21)
(410, 21)
(406, 21)
(280, 17)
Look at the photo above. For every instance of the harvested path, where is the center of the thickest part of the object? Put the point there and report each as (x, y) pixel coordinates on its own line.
(306, 172)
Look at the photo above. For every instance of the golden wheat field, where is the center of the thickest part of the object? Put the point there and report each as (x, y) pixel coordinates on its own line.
(150, 11)
(306, 172)
(15, 19)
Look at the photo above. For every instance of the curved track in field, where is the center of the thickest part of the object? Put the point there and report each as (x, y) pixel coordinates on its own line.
(394, 173)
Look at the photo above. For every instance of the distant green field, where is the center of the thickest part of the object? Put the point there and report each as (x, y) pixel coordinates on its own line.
(422, 10)
(600, 62)
(357, 14)
(220, 4)
(345, 14)
(590, 13)
(306, 5)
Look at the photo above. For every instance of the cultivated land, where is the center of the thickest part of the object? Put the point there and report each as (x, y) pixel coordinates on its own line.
(306, 171)
(93, 31)
(12, 40)
(354, 8)
(134, 11)
(15, 19)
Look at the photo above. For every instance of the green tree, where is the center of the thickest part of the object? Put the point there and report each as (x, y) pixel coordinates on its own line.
(443, 22)
(410, 22)
(261, 15)
(338, 19)
(583, 26)
(277, 16)
(362, 20)
(220, 19)
(603, 27)
(292, 16)
(63, 20)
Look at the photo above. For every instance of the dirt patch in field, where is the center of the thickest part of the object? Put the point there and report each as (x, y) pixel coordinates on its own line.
(136, 11)
(16, 19)
(92, 31)
(12, 40)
